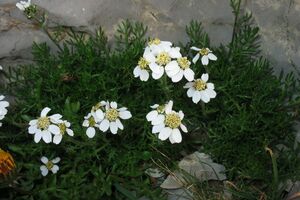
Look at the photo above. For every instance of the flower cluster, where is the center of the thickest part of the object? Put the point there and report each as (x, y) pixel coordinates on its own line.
(105, 116)
(45, 127)
(166, 122)
(3, 106)
(160, 57)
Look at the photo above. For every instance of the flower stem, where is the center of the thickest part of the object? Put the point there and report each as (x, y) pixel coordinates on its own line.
(165, 86)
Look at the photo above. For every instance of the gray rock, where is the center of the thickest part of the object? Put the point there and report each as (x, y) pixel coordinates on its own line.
(277, 19)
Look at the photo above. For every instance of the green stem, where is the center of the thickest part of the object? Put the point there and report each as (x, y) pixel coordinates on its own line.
(165, 86)
(275, 168)
(203, 109)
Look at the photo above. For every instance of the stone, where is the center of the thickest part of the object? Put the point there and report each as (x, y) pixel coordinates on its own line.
(197, 165)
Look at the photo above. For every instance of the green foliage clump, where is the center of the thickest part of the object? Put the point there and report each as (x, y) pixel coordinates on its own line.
(252, 112)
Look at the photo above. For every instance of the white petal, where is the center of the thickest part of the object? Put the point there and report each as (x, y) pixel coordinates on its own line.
(211, 93)
(104, 125)
(204, 60)
(113, 127)
(165, 133)
(188, 85)
(37, 136)
(144, 75)
(196, 97)
(157, 128)
(33, 122)
(20, 6)
(44, 170)
(55, 118)
(158, 120)
(169, 106)
(176, 135)
(125, 115)
(183, 128)
(148, 55)
(175, 52)
(57, 139)
(99, 114)
(56, 160)
(45, 112)
(211, 56)
(154, 106)
(54, 169)
(172, 68)
(181, 114)
(119, 124)
(190, 92)
(113, 104)
(90, 132)
(4, 104)
(44, 159)
(204, 97)
(32, 129)
(151, 115)
(137, 71)
(157, 76)
(47, 137)
(189, 74)
(70, 132)
(177, 77)
(204, 77)
(210, 86)
(196, 58)
(54, 129)
(195, 48)
(85, 123)
(155, 68)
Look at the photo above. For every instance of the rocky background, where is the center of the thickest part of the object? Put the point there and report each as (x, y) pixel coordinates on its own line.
(278, 21)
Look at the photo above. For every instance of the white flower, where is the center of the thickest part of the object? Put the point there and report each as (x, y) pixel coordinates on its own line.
(156, 46)
(199, 89)
(22, 5)
(206, 54)
(111, 119)
(155, 116)
(64, 127)
(168, 126)
(44, 126)
(91, 121)
(176, 69)
(142, 69)
(49, 165)
(162, 58)
(3, 110)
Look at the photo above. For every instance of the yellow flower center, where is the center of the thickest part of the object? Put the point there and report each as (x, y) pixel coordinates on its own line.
(163, 58)
(155, 41)
(43, 123)
(204, 52)
(183, 62)
(112, 114)
(173, 120)
(62, 128)
(143, 63)
(199, 85)
(49, 165)
(7, 163)
(92, 121)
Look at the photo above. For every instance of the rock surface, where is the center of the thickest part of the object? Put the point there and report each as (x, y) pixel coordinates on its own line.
(277, 19)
